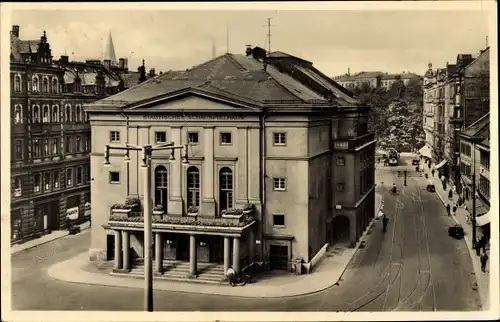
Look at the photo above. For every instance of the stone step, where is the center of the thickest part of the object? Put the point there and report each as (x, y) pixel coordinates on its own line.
(173, 277)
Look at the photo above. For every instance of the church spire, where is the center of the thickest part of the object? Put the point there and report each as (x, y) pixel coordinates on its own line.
(110, 50)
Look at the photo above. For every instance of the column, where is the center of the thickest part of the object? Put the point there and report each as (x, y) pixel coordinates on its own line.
(192, 255)
(175, 176)
(126, 249)
(159, 252)
(118, 249)
(236, 255)
(227, 253)
(251, 245)
(207, 172)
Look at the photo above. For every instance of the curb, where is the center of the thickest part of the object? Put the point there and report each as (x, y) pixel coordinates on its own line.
(57, 276)
(363, 237)
(43, 243)
(473, 256)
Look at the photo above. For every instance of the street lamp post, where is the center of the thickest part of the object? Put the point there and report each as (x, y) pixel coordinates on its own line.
(146, 152)
(474, 245)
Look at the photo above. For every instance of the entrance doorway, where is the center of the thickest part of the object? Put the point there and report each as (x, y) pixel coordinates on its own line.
(341, 229)
(278, 257)
(110, 247)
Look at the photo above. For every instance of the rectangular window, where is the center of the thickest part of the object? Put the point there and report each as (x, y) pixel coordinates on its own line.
(279, 220)
(36, 148)
(161, 137)
(87, 144)
(69, 177)
(340, 161)
(341, 186)
(114, 136)
(18, 155)
(193, 137)
(38, 182)
(225, 138)
(18, 187)
(114, 177)
(68, 145)
(78, 144)
(79, 175)
(47, 184)
(485, 159)
(55, 145)
(57, 179)
(279, 138)
(279, 184)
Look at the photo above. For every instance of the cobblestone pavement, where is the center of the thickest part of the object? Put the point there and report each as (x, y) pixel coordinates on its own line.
(415, 265)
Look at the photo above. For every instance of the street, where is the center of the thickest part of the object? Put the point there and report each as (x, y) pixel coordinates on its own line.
(413, 266)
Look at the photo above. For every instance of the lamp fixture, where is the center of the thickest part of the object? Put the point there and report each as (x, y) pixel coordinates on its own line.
(127, 157)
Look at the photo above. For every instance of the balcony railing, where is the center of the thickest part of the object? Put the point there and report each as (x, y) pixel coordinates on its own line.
(353, 143)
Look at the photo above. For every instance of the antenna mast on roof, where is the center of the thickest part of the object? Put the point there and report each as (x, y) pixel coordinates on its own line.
(227, 39)
(269, 34)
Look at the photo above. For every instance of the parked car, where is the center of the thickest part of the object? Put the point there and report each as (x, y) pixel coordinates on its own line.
(456, 231)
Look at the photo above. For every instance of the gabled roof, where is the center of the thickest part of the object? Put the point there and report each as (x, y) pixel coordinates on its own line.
(242, 77)
(475, 129)
(18, 46)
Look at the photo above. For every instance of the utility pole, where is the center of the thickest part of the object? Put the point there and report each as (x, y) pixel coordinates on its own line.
(474, 245)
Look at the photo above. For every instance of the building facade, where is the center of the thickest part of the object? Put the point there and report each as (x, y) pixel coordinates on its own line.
(374, 79)
(454, 98)
(472, 167)
(50, 135)
(280, 163)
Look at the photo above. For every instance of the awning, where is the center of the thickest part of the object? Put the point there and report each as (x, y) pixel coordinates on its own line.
(481, 208)
(441, 164)
(425, 152)
(484, 219)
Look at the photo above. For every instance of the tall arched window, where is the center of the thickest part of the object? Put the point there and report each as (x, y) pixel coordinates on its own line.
(45, 85)
(67, 114)
(46, 114)
(225, 188)
(35, 84)
(55, 114)
(78, 113)
(55, 85)
(36, 114)
(161, 187)
(17, 83)
(18, 114)
(193, 186)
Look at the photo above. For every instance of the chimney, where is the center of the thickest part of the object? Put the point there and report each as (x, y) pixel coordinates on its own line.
(142, 71)
(107, 63)
(152, 72)
(125, 63)
(121, 63)
(348, 71)
(64, 60)
(248, 51)
(15, 30)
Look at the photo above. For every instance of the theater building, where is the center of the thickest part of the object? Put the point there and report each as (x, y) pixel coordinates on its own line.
(281, 163)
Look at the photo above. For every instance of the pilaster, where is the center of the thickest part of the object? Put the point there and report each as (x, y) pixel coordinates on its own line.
(175, 206)
(207, 181)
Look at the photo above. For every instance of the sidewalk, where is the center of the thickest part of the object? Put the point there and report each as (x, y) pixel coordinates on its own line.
(44, 239)
(325, 275)
(460, 217)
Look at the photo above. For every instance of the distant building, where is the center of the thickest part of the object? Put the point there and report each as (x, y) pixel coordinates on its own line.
(267, 133)
(374, 79)
(50, 134)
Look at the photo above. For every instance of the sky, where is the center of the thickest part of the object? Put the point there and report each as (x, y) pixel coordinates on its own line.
(389, 41)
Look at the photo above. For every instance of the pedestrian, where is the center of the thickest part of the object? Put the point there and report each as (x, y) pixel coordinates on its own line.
(484, 242)
(450, 194)
(454, 209)
(230, 273)
(484, 259)
(479, 245)
(432, 172)
(448, 207)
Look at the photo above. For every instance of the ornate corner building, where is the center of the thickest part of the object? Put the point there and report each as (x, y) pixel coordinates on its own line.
(50, 133)
(280, 163)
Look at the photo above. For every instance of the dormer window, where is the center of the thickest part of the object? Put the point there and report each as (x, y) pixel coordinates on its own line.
(17, 83)
(45, 85)
(35, 86)
(55, 85)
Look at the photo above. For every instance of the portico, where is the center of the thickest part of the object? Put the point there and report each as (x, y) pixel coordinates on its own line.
(169, 239)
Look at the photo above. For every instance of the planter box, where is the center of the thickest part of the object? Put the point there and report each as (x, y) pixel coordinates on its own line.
(158, 212)
(121, 211)
(192, 214)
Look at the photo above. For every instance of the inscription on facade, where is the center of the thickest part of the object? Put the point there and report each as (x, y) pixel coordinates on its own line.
(193, 117)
